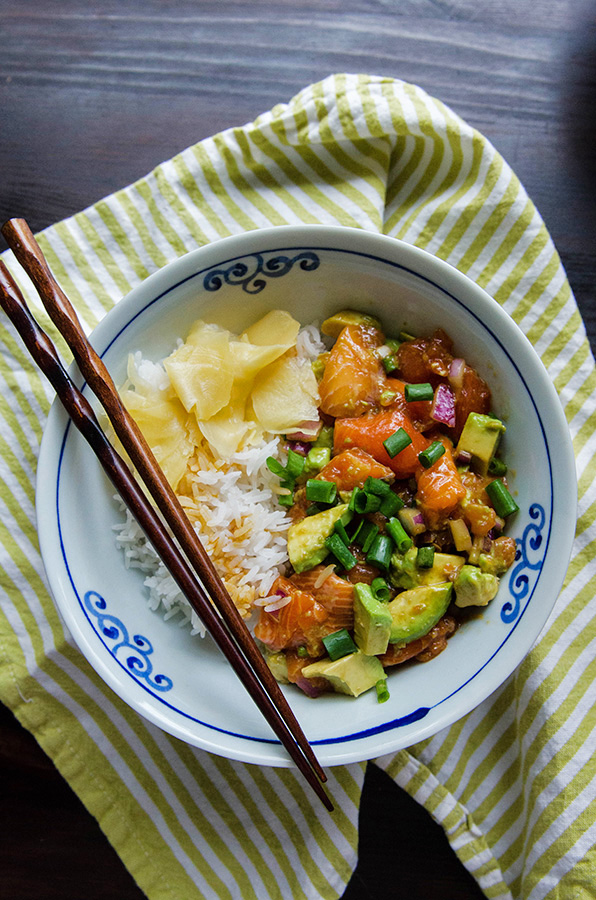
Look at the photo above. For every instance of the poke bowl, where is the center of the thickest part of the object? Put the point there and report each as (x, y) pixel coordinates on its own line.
(150, 653)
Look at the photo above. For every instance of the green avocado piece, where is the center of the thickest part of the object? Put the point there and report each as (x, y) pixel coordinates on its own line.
(414, 612)
(473, 587)
(480, 437)
(337, 322)
(306, 539)
(403, 571)
(444, 568)
(352, 674)
(406, 574)
(372, 621)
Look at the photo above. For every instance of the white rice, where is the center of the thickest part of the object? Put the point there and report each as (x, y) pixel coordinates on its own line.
(232, 505)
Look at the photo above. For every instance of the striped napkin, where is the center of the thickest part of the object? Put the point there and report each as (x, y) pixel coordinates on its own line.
(513, 783)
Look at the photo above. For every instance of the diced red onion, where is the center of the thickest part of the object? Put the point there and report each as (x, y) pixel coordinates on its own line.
(456, 373)
(300, 447)
(486, 544)
(443, 406)
(308, 687)
(308, 431)
(464, 457)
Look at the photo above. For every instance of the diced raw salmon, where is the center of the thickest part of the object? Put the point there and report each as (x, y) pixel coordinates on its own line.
(353, 375)
(335, 594)
(440, 487)
(369, 431)
(473, 396)
(351, 468)
(425, 359)
(301, 622)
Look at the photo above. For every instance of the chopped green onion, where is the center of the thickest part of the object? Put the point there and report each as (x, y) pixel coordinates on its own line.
(302, 652)
(406, 336)
(285, 499)
(319, 491)
(366, 535)
(390, 364)
(496, 466)
(431, 454)
(401, 538)
(313, 509)
(376, 486)
(390, 504)
(416, 392)
(363, 502)
(502, 501)
(397, 442)
(335, 544)
(275, 466)
(294, 465)
(380, 552)
(357, 530)
(425, 557)
(394, 344)
(339, 644)
(382, 690)
(381, 589)
(340, 529)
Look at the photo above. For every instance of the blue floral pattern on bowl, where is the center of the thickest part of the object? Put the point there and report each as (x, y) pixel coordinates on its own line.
(132, 654)
(252, 271)
(527, 563)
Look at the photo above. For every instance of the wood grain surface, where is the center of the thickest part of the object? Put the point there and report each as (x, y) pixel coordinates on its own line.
(94, 94)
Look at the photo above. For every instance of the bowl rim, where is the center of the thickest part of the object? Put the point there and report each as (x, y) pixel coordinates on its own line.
(451, 281)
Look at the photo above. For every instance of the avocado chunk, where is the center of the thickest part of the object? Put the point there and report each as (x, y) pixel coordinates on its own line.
(353, 674)
(414, 612)
(372, 621)
(306, 539)
(444, 568)
(480, 438)
(473, 587)
(337, 322)
(406, 574)
(279, 666)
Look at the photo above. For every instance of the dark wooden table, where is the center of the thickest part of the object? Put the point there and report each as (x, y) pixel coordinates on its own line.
(93, 95)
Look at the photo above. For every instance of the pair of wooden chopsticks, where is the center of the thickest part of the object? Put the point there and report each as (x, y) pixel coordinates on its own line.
(221, 616)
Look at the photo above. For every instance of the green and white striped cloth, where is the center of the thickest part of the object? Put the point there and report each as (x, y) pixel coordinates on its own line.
(514, 782)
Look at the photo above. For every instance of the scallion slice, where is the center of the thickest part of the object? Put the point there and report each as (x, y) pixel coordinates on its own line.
(382, 690)
(336, 546)
(365, 503)
(391, 504)
(340, 529)
(380, 552)
(431, 454)
(339, 644)
(390, 364)
(502, 501)
(366, 535)
(401, 538)
(425, 557)
(381, 589)
(319, 491)
(397, 442)
(376, 486)
(414, 392)
(496, 466)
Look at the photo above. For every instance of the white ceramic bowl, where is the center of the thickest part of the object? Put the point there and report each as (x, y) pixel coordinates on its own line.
(181, 683)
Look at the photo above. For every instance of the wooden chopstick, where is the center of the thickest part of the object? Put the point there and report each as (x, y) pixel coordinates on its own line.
(224, 630)
(27, 251)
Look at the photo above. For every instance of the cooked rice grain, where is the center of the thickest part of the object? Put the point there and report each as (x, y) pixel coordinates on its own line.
(233, 507)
